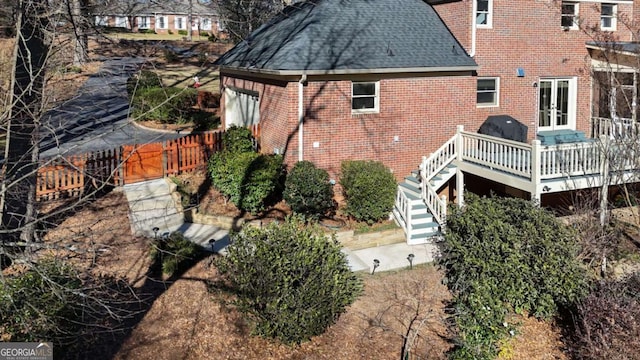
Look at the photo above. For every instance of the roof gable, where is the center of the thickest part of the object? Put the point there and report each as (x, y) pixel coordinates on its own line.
(347, 35)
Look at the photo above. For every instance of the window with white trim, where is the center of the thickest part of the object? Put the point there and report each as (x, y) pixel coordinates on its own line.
(569, 15)
(181, 23)
(484, 13)
(161, 22)
(365, 97)
(144, 22)
(488, 92)
(608, 14)
(122, 22)
(206, 23)
(102, 20)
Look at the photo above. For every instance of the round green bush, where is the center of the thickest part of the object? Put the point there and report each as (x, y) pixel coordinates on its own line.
(369, 188)
(289, 278)
(142, 80)
(175, 253)
(308, 191)
(238, 139)
(248, 179)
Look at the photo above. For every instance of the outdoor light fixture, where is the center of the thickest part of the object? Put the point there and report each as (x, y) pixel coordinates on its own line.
(376, 263)
(212, 243)
(155, 232)
(546, 188)
(410, 258)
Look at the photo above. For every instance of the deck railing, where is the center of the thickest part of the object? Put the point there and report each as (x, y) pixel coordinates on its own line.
(402, 204)
(496, 153)
(564, 160)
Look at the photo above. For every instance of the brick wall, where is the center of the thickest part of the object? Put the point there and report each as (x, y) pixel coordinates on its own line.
(422, 112)
(527, 34)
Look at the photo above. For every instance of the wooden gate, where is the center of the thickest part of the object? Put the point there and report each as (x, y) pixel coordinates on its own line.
(142, 162)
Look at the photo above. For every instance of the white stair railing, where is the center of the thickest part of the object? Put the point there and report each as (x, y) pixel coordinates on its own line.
(430, 167)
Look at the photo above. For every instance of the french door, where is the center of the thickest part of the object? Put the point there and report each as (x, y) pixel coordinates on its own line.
(557, 104)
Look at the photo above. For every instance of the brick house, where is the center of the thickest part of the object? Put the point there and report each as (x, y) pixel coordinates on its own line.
(409, 82)
(163, 18)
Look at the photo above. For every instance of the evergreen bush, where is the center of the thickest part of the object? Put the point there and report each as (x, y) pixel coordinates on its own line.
(289, 278)
(143, 80)
(238, 139)
(369, 189)
(175, 253)
(503, 255)
(166, 105)
(308, 191)
(248, 179)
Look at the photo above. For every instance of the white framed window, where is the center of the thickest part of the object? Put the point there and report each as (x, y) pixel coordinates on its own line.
(102, 20)
(488, 92)
(365, 97)
(608, 15)
(569, 17)
(181, 23)
(144, 22)
(205, 23)
(122, 22)
(484, 13)
(161, 22)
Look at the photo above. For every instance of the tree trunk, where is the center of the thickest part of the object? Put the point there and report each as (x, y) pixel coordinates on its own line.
(18, 192)
(81, 41)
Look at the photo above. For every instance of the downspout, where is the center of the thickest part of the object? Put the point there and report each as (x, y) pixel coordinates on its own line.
(474, 8)
(301, 83)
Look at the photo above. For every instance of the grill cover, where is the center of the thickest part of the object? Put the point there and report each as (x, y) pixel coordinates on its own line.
(504, 126)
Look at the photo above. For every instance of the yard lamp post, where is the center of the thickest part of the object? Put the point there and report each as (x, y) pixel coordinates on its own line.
(410, 258)
(376, 263)
(212, 243)
(155, 232)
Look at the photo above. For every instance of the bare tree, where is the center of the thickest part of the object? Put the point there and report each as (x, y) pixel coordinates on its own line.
(242, 17)
(22, 150)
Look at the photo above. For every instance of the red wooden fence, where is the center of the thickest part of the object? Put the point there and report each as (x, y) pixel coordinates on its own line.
(70, 177)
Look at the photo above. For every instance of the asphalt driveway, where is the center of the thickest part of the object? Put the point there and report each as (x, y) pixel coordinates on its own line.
(97, 118)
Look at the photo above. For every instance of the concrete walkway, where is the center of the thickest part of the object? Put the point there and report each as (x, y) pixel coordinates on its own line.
(153, 204)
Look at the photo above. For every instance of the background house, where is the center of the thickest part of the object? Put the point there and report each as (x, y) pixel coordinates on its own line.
(166, 17)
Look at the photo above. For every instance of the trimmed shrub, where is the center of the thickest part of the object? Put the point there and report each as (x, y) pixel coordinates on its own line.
(183, 32)
(248, 179)
(369, 189)
(607, 325)
(289, 279)
(212, 38)
(166, 105)
(238, 139)
(503, 255)
(308, 191)
(204, 33)
(175, 253)
(143, 80)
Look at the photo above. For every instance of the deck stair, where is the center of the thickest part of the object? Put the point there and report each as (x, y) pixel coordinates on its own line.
(418, 209)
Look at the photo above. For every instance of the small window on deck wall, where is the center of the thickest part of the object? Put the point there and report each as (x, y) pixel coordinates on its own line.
(487, 92)
(365, 97)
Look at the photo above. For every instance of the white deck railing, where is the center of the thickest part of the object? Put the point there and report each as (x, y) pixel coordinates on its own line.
(564, 160)
(615, 128)
(496, 153)
(403, 208)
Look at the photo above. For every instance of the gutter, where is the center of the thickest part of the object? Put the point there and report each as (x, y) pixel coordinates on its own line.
(474, 30)
(301, 84)
(301, 72)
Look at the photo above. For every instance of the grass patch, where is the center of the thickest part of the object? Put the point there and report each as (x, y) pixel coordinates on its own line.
(364, 228)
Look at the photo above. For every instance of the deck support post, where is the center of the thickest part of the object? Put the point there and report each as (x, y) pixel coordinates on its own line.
(459, 174)
(604, 173)
(536, 195)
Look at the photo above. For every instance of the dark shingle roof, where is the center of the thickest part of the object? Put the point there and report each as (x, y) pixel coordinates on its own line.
(351, 36)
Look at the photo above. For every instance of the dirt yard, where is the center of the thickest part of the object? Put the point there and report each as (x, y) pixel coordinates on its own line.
(183, 319)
